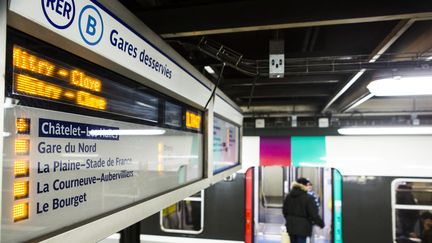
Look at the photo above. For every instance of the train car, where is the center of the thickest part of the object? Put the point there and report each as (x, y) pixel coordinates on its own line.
(217, 217)
(385, 190)
(252, 198)
(104, 123)
(246, 207)
(371, 189)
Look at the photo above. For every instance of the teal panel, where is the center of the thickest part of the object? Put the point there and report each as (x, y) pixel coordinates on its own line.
(308, 151)
(337, 202)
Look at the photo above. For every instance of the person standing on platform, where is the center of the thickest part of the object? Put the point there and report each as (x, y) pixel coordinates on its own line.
(313, 194)
(300, 212)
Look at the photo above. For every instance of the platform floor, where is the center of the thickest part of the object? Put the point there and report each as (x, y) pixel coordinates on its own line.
(268, 239)
(277, 239)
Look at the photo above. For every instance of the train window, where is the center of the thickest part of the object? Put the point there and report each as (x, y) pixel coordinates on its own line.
(226, 138)
(272, 179)
(185, 217)
(82, 141)
(412, 210)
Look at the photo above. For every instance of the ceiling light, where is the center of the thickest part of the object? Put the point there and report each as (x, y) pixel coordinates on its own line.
(401, 86)
(209, 69)
(392, 130)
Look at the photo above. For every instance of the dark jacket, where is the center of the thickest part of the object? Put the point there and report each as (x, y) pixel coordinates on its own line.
(427, 236)
(300, 211)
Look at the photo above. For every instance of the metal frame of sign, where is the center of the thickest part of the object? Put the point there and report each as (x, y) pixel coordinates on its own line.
(107, 224)
(3, 27)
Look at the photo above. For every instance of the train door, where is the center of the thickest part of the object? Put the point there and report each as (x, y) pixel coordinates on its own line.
(271, 184)
(271, 195)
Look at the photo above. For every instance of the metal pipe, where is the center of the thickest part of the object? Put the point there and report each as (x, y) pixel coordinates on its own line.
(252, 91)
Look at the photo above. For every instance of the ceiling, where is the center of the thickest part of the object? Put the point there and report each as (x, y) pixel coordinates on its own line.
(333, 49)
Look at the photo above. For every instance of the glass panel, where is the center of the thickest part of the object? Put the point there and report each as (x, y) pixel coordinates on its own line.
(185, 216)
(65, 168)
(413, 213)
(414, 193)
(173, 114)
(272, 186)
(413, 225)
(225, 145)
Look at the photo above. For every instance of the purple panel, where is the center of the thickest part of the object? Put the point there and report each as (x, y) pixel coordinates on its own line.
(275, 151)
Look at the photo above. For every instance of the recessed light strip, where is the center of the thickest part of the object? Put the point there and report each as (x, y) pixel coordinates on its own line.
(402, 86)
(392, 130)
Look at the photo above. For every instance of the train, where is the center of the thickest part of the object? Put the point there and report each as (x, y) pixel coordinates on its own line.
(359, 179)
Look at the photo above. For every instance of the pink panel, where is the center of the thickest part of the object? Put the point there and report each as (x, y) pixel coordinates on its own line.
(275, 151)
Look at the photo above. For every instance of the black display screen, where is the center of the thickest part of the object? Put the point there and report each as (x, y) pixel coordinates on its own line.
(45, 78)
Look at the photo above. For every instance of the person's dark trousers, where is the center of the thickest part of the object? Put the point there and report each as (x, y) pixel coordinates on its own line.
(297, 239)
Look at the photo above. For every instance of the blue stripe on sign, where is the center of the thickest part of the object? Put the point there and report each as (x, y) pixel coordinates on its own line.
(64, 129)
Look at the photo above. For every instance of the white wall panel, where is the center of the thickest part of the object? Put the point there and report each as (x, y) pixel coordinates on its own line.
(250, 152)
(224, 109)
(380, 155)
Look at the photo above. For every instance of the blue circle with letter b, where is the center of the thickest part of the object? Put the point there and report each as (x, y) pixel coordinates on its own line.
(90, 25)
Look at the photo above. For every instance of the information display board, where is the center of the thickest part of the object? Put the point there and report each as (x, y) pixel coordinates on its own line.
(60, 168)
(225, 145)
(45, 78)
(65, 161)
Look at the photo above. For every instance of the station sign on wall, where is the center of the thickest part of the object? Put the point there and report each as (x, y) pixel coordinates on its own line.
(61, 169)
(91, 25)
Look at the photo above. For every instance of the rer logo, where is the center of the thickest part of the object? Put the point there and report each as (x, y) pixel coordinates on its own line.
(60, 13)
(90, 25)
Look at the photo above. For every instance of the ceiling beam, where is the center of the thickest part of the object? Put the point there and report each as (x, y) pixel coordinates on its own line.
(279, 106)
(278, 93)
(245, 16)
(382, 47)
(417, 40)
(287, 80)
(283, 109)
